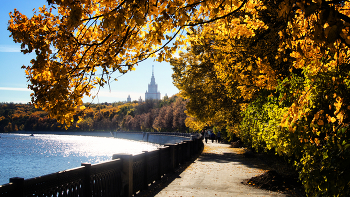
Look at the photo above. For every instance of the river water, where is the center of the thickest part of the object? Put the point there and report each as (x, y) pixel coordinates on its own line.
(22, 155)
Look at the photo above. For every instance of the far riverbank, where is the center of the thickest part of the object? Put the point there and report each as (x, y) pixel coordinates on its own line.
(81, 133)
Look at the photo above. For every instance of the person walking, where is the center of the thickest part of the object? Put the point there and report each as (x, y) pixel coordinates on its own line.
(206, 136)
(212, 136)
(219, 137)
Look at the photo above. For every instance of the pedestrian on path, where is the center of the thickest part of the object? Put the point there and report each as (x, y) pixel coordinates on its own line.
(219, 137)
(206, 136)
(212, 137)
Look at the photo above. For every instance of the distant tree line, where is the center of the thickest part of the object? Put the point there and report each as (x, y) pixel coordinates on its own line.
(167, 115)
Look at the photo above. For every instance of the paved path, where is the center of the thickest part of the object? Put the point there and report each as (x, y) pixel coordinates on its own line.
(218, 171)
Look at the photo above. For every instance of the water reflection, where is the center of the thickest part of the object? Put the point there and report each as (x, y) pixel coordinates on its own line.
(31, 156)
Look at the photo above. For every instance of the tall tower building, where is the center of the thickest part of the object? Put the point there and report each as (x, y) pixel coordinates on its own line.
(128, 99)
(152, 92)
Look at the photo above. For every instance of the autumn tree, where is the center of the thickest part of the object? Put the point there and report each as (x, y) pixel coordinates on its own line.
(288, 70)
(84, 43)
(238, 51)
(179, 115)
(198, 82)
(160, 122)
(147, 120)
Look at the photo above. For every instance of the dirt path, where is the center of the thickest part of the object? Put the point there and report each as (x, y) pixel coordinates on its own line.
(218, 171)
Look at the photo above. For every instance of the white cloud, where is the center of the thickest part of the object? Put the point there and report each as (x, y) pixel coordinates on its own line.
(15, 89)
(10, 48)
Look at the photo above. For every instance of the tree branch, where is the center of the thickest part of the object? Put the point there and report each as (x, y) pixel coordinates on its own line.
(218, 18)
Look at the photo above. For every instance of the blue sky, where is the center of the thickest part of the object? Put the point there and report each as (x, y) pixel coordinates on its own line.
(13, 82)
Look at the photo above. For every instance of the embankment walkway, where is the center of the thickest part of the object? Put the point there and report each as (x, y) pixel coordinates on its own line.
(218, 171)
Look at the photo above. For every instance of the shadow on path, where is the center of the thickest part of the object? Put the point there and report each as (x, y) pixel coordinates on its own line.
(235, 158)
(212, 153)
(222, 153)
(159, 185)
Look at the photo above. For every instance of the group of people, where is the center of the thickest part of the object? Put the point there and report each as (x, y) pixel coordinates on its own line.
(209, 134)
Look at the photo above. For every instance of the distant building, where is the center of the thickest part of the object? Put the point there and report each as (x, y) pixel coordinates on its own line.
(140, 100)
(152, 92)
(128, 99)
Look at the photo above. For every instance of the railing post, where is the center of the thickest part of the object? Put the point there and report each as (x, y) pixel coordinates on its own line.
(188, 149)
(145, 169)
(160, 163)
(193, 147)
(127, 173)
(86, 183)
(183, 152)
(172, 156)
(180, 156)
(196, 146)
(19, 186)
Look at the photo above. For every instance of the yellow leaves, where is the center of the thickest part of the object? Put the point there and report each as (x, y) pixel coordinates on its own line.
(284, 8)
(331, 119)
(139, 18)
(75, 15)
(340, 116)
(183, 18)
(295, 112)
(80, 107)
(194, 123)
(171, 10)
(317, 141)
(338, 104)
(106, 34)
(320, 122)
(316, 116)
(45, 28)
(280, 33)
(261, 81)
(249, 67)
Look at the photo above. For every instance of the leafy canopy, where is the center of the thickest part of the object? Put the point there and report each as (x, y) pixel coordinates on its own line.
(297, 52)
(80, 46)
(283, 69)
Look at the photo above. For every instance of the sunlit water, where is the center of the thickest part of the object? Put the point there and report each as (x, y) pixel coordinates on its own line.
(27, 156)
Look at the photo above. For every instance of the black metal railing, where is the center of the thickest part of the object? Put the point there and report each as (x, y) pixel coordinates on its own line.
(125, 175)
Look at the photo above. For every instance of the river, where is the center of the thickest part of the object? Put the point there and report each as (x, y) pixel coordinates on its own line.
(22, 155)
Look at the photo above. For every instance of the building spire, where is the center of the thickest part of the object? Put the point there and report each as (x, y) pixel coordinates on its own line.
(152, 92)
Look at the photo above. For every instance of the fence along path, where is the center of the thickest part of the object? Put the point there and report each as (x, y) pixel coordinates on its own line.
(124, 175)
